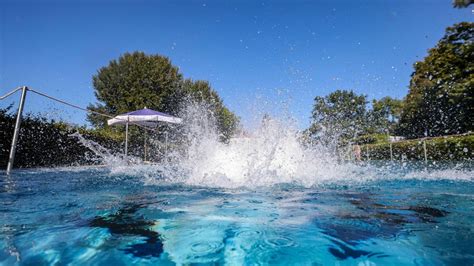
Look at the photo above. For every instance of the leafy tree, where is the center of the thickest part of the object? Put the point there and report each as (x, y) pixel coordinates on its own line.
(133, 82)
(341, 115)
(201, 92)
(441, 93)
(137, 80)
(462, 3)
(385, 115)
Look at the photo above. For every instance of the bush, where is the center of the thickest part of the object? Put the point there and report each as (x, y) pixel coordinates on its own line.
(47, 143)
(439, 148)
(372, 139)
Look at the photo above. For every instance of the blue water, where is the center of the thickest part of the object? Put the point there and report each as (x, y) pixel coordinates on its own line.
(91, 217)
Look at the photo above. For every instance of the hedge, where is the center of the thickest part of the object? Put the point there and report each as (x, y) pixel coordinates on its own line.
(47, 143)
(372, 139)
(439, 148)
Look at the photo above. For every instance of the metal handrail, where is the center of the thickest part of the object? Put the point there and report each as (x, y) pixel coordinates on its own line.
(10, 93)
(24, 89)
(87, 110)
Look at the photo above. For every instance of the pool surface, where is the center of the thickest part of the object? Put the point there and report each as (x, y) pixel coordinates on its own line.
(89, 216)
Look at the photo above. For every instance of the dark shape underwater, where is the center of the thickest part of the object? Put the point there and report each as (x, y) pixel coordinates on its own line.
(123, 222)
(374, 220)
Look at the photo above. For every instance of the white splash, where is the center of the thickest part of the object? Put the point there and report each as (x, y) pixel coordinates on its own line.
(271, 154)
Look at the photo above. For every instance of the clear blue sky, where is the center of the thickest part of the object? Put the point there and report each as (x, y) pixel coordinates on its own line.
(256, 54)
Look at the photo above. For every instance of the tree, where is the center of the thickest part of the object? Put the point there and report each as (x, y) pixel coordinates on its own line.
(462, 3)
(201, 92)
(385, 115)
(137, 80)
(441, 93)
(340, 115)
(133, 82)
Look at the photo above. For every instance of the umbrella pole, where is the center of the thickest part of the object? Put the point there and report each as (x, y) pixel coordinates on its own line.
(166, 143)
(144, 147)
(126, 139)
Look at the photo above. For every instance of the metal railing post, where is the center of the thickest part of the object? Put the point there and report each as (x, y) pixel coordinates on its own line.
(368, 155)
(351, 152)
(126, 139)
(166, 143)
(144, 147)
(391, 152)
(16, 133)
(424, 149)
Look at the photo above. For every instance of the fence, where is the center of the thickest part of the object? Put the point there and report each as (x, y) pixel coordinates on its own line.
(18, 121)
(451, 147)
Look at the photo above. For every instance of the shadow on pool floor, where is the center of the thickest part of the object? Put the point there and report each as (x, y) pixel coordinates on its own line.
(372, 220)
(125, 222)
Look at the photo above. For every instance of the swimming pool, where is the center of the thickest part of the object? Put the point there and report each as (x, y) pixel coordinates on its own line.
(90, 216)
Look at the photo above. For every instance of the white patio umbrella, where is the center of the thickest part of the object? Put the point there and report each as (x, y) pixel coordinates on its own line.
(145, 117)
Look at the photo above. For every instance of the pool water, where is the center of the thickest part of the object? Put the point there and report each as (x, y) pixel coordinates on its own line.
(89, 216)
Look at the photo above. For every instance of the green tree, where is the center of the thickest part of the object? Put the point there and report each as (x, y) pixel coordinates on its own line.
(135, 81)
(201, 91)
(385, 115)
(341, 115)
(462, 3)
(441, 93)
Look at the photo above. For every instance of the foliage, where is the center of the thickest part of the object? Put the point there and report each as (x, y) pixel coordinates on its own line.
(341, 114)
(441, 94)
(133, 82)
(438, 148)
(385, 114)
(345, 115)
(372, 139)
(462, 3)
(137, 80)
(47, 143)
(201, 92)
(440, 100)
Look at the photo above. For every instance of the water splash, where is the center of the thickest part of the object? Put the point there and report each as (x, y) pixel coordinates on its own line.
(105, 156)
(271, 154)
